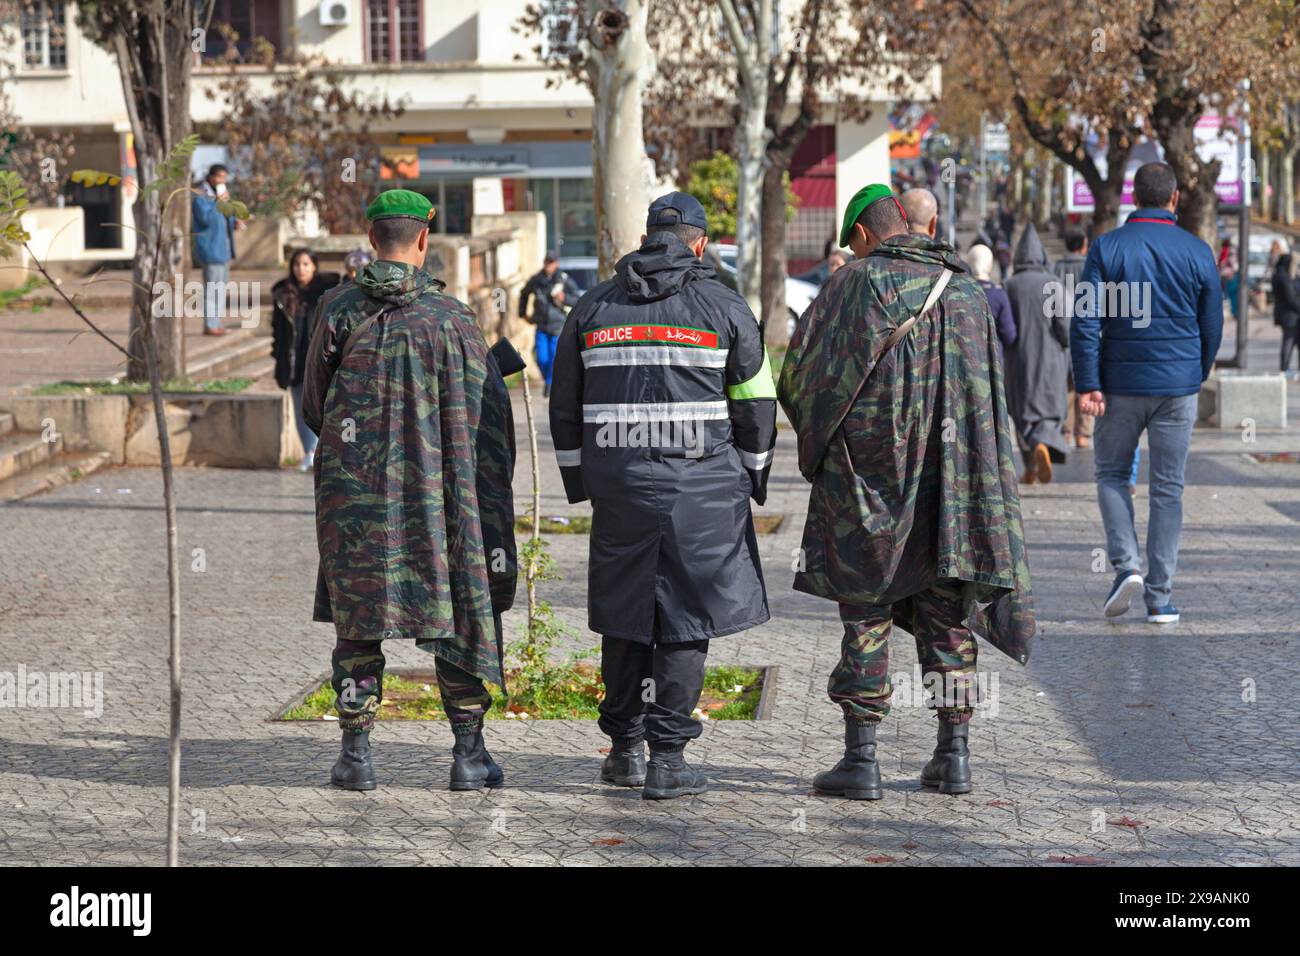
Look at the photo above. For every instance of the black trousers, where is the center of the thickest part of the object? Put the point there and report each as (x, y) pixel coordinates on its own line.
(651, 691)
(1290, 344)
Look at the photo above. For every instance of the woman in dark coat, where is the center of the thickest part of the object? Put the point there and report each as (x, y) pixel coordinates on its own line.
(294, 301)
(1286, 304)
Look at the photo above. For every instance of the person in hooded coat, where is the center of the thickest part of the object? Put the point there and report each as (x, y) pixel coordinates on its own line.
(893, 383)
(1039, 361)
(663, 413)
(414, 509)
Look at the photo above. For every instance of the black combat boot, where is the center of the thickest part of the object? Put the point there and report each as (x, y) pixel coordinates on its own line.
(857, 775)
(625, 765)
(669, 776)
(472, 767)
(353, 770)
(949, 768)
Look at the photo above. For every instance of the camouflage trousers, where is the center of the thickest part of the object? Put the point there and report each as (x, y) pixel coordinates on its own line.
(945, 648)
(359, 685)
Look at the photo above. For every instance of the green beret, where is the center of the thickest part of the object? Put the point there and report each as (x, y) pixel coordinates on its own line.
(863, 198)
(400, 204)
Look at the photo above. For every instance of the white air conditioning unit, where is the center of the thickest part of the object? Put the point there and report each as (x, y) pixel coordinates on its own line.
(335, 13)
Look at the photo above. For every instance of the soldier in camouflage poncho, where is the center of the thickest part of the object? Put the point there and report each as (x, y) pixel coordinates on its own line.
(914, 515)
(414, 513)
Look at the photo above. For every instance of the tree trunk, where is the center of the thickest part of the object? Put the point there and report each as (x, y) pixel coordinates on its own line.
(753, 54)
(154, 59)
(1263, 164)
(1286, 194)
(619, 62)
(168, 331)
(774, 314)
(1043, 196)
(1197, 200)
(752, 149)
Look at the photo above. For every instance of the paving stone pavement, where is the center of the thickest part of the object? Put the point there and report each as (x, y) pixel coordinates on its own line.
(1122, 742)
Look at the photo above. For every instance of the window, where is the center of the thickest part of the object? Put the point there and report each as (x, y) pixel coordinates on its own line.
(45, 42)
(559, 29)
(249, 21)
(393, 31)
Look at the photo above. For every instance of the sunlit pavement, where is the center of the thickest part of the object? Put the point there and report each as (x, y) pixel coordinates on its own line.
(1120, 743)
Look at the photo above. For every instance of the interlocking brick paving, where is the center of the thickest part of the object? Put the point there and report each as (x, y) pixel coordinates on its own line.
(1122, 741)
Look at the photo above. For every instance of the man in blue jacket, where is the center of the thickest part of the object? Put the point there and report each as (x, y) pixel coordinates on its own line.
(1146, 331)
(214, 246)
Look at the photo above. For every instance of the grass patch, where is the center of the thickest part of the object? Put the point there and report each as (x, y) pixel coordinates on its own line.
(11, 300)
(768, 524)
(577, 524)
(569, 691)
(113, 386)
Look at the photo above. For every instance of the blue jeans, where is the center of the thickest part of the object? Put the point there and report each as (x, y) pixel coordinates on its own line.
(1168, 422)
(545, 349)
(305, 434)
(215, 277)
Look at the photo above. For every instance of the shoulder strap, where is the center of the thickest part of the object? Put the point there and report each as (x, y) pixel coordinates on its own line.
(361, 329)
(937, 290)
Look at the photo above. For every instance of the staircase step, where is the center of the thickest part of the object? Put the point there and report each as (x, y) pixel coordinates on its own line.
(257, 371)
(6, 423)
(232, 357)
(61, 469)
(21, 451)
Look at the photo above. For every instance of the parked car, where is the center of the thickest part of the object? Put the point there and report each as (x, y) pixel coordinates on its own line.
(798, 293)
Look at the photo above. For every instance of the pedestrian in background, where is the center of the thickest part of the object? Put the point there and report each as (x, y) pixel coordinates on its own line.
(1286, 303)
(922, 211)
(1230, 277)
(825, 269)
(547, 313)
(356, 260)
(1069, 270)
(1141, 372)
(213, 245)
(1039, 361)
(293, 307)
(980, 259)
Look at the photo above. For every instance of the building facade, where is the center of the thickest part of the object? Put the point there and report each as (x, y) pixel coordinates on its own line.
(486, 127)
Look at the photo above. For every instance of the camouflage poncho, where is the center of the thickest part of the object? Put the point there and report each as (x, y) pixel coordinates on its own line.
(414, 512)
(910, 453)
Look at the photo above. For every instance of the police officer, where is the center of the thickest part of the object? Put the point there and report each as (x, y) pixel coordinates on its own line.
(663, 413)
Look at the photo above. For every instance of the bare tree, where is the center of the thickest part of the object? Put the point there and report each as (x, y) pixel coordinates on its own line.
(617, 60)
(154, 42)
(752, 44)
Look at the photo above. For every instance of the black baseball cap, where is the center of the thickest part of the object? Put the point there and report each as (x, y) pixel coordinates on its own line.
(674, 209)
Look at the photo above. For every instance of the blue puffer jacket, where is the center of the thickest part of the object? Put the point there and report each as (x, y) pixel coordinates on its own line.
(1165, 342)
(214, 234)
